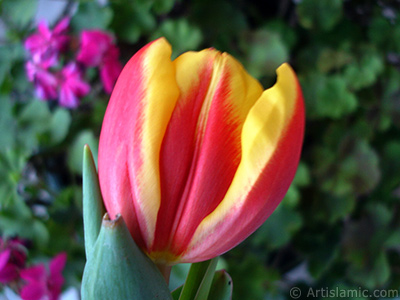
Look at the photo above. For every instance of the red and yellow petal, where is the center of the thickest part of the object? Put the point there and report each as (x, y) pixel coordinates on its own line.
(133, 129)
(271, 143)
(201, 149)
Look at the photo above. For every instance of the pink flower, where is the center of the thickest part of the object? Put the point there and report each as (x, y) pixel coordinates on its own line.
(45, 45)
(110, 69)
(12, 259)
(94, 45)
(98, 50)
(44, 284)
(46, 83)
(72, 86)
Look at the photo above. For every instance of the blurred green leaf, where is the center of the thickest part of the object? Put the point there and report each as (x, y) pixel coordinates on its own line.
(182, 35)
(7, 124)
(321, 14)
(373, 275)
(91, 15)
(12, 162)
(266, 51)
(59, 125)
(75, 158)
(365, 71)
(221, 20)
(302, 177)
(384, 33)
(33, 121)
(252, 276)
(321, 248)
(327, 96)
(16, 220)
(18, 12)
(132, 19)
(331, 59)
(163, 6)
(279, 228)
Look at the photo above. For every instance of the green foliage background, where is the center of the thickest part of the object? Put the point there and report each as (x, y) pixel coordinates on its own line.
(339, 224)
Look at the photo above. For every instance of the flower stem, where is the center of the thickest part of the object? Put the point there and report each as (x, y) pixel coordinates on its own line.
(165, 271)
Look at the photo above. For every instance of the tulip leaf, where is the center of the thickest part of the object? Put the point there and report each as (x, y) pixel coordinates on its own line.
(221, 287)
(199, 280)
(118, 269)
(93, 208)
(176, 293)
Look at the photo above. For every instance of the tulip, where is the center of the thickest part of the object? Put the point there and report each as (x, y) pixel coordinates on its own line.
(194, 154)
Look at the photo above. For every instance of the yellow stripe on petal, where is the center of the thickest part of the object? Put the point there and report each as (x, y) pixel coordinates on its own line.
(216, 96)
(262, 131)
(158, 101)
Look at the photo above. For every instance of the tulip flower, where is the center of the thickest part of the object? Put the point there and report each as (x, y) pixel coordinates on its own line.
(194, 154)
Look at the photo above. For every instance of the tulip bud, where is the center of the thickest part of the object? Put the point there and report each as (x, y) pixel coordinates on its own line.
(194, 154)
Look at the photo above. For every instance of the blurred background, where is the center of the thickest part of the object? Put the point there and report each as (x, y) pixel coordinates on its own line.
(338, 226)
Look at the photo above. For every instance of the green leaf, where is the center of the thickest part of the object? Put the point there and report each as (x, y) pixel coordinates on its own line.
(279, 228)
(132, 20)
(178, 275)
(75, 152)
(33, 122)
(16, 220)
(91, 15)
(59, 125)
(221, 20)
(265, 52)
(198, 282)
(182, 35)
(327, 96)
(163, 6)
(365, 71)
(7, 123)
(319, 14)
(12, 162)
(93, 207)
(221, 287)
(19, 12)
(331, 59)
(302, 177)
(118, 269)
(373, 275)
